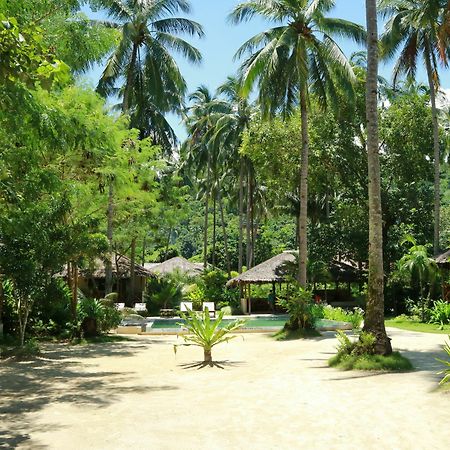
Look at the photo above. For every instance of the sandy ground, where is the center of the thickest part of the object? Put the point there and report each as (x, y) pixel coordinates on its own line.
(270, 395)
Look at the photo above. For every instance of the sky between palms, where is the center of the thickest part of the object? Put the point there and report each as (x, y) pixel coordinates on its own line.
(223, 39)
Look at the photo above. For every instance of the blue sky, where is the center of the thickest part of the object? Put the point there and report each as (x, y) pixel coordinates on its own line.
(223, 39)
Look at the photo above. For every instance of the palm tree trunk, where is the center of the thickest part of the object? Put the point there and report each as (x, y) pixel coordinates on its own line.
(303, 216)
(214, 229)
(109, 234)
(241, 214)
(132, 270)
(207, 359)
(437, 156)
(374, 319)
(248, 224)
(252, 220)
(205, 229)
(225, 236)
(128, 86)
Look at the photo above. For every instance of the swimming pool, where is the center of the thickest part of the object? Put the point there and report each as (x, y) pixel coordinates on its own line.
(262, 323)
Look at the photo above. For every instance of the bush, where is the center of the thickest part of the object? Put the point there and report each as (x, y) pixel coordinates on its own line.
(354, 317)
(30, 349)
(300, 308)
(360, 355)
(96, 316)
(196, 295)
(440, 313)
(162, 293)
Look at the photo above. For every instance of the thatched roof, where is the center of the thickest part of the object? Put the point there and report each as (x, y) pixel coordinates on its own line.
(266, 272)
(178, 264)
(121, 268)
(443, 260)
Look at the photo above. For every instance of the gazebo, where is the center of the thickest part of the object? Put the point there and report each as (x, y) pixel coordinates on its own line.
(268, 272)
(443, 262)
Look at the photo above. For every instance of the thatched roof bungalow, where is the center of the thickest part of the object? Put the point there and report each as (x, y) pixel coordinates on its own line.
(443, 260)
(177, 264)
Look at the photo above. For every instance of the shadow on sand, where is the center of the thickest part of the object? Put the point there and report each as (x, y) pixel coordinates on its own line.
(57, 377)
(202, 364)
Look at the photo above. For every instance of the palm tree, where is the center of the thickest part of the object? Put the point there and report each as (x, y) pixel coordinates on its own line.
(420, 266)
(291, 60)
(419, 29)
(149, 79)
(374, 319)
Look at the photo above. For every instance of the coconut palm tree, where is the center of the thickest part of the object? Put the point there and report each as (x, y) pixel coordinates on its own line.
(419, 30)
(291, 60)
(142, 70)
(374, 318)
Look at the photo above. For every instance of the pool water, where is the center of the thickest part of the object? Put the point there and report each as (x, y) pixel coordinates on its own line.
(254, 322)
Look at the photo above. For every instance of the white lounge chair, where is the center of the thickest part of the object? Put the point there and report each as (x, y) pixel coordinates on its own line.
(140, 307)
(185, 306)
(211, 308)
(120, 306)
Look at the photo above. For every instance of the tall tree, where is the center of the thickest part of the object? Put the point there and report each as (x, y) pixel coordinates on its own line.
(419, 29)
(142, 69)
(374, 319)
(291, 60)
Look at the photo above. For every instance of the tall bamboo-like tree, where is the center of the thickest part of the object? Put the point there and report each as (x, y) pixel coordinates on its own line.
(142, 69)
(374, 319)
(292, 60)
(420, 30)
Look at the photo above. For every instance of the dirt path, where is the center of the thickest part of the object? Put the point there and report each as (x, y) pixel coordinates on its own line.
(270, 395)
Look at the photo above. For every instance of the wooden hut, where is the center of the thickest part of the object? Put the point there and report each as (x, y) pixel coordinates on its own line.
(91, 280)
(443, 262)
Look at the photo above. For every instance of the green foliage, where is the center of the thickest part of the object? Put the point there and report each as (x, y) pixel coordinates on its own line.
(440, 313)
(163, 293)
(414, 324)
(29, 350)
(207, 333)
(97, 316)
(196, 295)
(300, 306)
(392, 363)
(365, 345)
(355, 317)
(446, 372)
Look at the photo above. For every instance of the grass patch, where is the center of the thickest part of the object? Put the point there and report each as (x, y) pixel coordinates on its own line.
(104, 339)
(292, 335)
(411, 325)
(392, 363)
(30, 350)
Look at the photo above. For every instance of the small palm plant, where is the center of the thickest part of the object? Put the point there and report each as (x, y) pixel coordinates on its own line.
(207, 333)
(446, 371)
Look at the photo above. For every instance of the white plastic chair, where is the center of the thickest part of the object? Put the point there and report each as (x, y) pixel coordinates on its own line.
(211, 308)
(185, 306)
(140, 307)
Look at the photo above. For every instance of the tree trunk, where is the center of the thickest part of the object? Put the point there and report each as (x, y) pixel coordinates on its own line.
(225, 236)
(109, 234)
(241, 215)
(144, 245)
(437, 156)
(75, 289)
(205, 230)
(1, 306)
(128, 86)
(207, 358)
(303, 216)
(374, 319)
(252, 221)
(214, 229)
(23, 311)
(132, 271)
(248, 222)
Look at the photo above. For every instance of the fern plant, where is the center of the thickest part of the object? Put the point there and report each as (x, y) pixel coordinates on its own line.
(207, 333)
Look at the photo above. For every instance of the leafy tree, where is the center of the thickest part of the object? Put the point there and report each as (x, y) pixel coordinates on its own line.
(292, 59)
(417, 29)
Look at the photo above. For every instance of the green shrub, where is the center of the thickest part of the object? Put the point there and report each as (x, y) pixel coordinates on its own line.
(114, 296)
(440, 313)
(97, 316)
(393, 363)
(300, 306)
(30, 349)
(196, 295)
(163, 293)
(227, 311)
(355, 317)
(365, 345)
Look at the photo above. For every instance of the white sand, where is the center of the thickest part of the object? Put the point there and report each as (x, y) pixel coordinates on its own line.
(270, 395)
